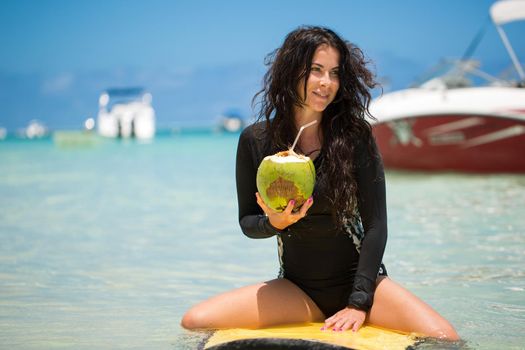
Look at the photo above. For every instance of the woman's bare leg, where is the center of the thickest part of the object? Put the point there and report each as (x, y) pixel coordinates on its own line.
(396, 308)
(265, 304)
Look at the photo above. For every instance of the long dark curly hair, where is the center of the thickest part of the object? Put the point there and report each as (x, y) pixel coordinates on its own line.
(343, 124)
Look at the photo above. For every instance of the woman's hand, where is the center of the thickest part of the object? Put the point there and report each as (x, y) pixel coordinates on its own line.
(281, 220)
(346, 319)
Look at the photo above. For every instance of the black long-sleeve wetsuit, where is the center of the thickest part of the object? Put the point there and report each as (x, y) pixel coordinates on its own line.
(314, 253)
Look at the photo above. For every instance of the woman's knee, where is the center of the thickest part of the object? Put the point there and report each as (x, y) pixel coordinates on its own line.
(395, 307)
(444, 331)
(194, 319)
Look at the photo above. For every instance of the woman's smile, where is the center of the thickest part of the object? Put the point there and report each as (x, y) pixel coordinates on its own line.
(321, 95)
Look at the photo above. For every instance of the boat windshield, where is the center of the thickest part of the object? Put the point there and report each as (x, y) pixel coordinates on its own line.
(453, 74)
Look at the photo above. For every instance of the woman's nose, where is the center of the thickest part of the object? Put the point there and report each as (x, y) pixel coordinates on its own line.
(325, 80)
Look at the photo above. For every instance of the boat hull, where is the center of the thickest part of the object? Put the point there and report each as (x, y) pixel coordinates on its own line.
(460, 143)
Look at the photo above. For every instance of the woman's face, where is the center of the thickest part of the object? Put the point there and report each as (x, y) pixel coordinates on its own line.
(323, 82)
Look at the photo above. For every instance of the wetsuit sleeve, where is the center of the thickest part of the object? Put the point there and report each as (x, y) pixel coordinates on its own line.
(370, 179)
(252, 220)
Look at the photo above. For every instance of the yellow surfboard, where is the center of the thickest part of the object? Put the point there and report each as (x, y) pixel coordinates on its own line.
(300, 336)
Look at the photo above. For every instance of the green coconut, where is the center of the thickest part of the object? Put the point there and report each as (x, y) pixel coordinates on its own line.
(285, 176)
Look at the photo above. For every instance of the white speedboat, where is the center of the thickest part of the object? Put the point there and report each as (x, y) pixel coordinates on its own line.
(231, 122)
(35, 129)
(446, 124)
(126, 113)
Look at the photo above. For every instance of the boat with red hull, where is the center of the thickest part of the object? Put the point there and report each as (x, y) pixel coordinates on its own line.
(446, 125)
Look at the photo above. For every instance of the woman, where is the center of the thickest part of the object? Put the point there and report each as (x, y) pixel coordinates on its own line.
(331, 249)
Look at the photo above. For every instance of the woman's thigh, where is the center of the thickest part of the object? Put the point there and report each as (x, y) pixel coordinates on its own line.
(396, 308)
(265, 304)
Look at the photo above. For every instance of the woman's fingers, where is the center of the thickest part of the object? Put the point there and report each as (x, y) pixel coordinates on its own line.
(260, 201)
(285, 218)
(334, 325)
(346, 325)
(263, 205)
(306, 206)
(356, 326)
(344, 320)
(330, 322)
(302, 213)
(289, 207)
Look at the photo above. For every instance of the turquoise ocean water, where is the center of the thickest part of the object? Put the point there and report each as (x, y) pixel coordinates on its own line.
(105, 245)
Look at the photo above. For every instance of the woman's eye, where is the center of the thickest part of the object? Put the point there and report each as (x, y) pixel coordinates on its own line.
(334, 73)
(315, 69)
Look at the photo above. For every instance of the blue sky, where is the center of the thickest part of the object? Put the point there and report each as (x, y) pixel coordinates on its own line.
(57, 42)
(68, 35)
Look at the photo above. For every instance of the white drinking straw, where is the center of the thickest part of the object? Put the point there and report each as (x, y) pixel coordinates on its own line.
(300, 131)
